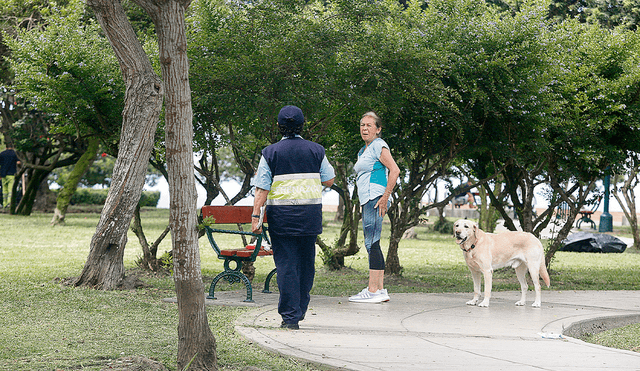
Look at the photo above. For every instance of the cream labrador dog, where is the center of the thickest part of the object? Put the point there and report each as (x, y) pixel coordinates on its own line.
(485, 252)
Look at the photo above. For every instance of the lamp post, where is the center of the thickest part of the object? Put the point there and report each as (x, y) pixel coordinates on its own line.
(606, 219)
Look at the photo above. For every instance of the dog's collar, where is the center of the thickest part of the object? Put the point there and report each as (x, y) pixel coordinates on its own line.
(473, 246)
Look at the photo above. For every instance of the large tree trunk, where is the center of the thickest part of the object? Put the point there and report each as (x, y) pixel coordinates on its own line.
(70, 186)
(104, 268)
(196, 344)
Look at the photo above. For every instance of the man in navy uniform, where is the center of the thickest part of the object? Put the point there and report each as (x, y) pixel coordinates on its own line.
(289, 180)
(8, 162)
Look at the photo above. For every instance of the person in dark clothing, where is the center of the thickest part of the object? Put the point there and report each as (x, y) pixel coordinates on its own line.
(8, 167)
(464, 195)
(289, 181)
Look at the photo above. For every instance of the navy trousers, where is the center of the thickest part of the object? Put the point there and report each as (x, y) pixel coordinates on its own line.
(294, 257)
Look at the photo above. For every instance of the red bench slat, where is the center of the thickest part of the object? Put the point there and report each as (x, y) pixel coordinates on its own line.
(228, 252)
(229, 214)
(246, 252)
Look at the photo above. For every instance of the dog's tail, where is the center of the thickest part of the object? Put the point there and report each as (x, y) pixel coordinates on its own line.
(544, 274)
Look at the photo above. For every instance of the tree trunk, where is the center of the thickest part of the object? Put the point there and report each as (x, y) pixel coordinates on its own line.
(149, 258)
(574, 202)
(104, 268)
(488, 214)
(34, 178)
(333, 256)
(340, 211)
(70, 186)
(399, 223)
(629, 206)
(196, 344)
(393, 260)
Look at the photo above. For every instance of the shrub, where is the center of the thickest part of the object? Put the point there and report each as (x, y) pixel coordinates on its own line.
(149, 198)
(443, 226)
(90, 196)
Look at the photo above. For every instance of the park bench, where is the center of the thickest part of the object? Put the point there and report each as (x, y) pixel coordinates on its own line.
(214, 216)
(587, 213)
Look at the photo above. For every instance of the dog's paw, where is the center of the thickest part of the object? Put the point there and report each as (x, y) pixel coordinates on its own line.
(484, 304)
(520, 303)
(536, 304)
(472, 302)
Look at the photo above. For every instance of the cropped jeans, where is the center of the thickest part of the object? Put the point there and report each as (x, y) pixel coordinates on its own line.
(372, 230)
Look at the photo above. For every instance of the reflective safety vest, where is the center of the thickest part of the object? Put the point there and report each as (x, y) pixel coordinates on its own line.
(294, 202)
(295, 189)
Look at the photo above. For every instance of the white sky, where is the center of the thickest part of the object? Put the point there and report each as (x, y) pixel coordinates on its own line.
(328, 198)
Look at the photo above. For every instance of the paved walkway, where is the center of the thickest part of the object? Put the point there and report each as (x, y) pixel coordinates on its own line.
(440, 332)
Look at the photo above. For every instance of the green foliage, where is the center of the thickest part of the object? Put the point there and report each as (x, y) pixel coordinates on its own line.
(139, 19)
(89, 196)
(18, 9)
(598, 77)
(605, 13)
(207, 222)
(443, 226)
(149, 199)
(167, 261)
(69, 71)
(30, 133)
(71, 184)
(259, 56)
(99, 173)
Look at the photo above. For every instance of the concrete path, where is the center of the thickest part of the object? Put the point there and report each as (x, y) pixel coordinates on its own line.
(440, 332)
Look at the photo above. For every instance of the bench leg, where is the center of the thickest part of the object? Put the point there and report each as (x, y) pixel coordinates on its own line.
(232, 277)
(266, 282)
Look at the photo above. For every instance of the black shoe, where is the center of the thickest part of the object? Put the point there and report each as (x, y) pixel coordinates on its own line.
(290, 326)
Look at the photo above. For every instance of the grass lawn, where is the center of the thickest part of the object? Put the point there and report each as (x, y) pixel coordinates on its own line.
(46, 325)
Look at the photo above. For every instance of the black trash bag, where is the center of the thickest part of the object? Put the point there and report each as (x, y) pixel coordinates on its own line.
(593, 242)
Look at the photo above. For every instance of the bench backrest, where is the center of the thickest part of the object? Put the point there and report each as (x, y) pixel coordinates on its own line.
(229, 214)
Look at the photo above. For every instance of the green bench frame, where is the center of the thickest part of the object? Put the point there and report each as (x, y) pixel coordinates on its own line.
(235, 215)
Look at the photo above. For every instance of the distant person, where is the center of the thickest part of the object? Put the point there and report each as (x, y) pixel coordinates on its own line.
(289, 180)
(464, 195)
(8, 167)
(377, 173)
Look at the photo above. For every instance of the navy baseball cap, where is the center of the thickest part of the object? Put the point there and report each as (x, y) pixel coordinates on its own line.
(290, 116)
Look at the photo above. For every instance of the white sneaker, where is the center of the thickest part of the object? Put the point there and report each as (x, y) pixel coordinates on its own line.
(385, 294)
(366, 296)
